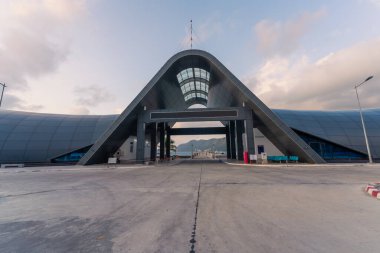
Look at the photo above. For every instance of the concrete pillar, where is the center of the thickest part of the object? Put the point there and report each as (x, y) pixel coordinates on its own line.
(167, 141)
(153, 141)
(232, 139)
(228, 142)
(249, 135)
(140, 145)
(239, 139)
(162, 140)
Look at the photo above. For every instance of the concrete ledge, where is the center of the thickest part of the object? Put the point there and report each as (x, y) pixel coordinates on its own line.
(12, 165)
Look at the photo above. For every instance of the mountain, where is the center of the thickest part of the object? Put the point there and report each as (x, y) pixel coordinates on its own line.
(217, 144)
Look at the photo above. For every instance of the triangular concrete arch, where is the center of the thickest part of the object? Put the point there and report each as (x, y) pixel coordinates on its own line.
(163, 92)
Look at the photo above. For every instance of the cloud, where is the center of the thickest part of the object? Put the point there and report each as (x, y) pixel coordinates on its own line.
(375, 2)
(324, 84)
(79, 110)
(92, 95)
(13, 102)
(31, 45)
(58, 9)
(24, 54)
(282, 38)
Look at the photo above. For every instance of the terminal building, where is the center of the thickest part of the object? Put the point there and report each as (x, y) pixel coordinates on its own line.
(191, 77)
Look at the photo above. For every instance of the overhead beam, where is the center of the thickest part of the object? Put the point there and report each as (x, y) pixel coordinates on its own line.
(197, 114)
(198, 131)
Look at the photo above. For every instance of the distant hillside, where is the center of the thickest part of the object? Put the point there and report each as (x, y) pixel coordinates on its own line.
(219, 145)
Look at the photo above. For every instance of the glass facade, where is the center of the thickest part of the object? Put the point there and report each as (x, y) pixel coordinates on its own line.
(72, 157)
(330, 151)
(194, 83)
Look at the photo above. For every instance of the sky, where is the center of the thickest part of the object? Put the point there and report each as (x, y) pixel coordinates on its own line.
(95, 56)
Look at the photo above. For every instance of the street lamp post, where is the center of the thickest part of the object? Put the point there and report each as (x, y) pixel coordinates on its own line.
(361, 116)
(2, 92)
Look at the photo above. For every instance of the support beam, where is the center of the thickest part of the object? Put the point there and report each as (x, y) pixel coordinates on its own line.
(239, 139)
(228, 142)
(162, 140)
(232, 139)
(153, 141)
(249, 135)
(167, 141)
(140, 146)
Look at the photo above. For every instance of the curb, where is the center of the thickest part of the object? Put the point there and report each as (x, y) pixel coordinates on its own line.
(373, 190)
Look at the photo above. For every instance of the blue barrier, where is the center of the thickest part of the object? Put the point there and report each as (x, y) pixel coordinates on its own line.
(280, 158)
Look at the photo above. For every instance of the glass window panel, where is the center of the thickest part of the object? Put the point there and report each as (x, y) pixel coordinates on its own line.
(179, 77)
(203, 87)
(192, 86)
(187, 87)
(190, 73)
(206, 88)
(198, 85)
(197, 72)
(203, 73)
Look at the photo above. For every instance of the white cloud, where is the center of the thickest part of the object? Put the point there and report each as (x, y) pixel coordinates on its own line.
(31, 45)
(282, 38)
(11, 101)
(79, 110)
(375, 2)
(324, 84)
(62, 9)
(92, 95)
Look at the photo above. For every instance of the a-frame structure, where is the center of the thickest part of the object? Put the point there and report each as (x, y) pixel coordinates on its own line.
(196, 77)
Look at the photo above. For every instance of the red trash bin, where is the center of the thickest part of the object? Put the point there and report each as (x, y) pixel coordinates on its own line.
(246, 157)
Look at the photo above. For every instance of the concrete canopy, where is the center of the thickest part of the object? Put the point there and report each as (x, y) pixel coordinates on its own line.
(163, 92)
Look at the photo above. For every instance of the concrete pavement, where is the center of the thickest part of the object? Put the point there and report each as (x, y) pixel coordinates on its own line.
(154, 209)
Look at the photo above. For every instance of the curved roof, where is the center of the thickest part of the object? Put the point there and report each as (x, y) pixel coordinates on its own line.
(38, 137)
(341, 127)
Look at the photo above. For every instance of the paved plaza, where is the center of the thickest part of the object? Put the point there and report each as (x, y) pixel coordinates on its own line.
(191, 206)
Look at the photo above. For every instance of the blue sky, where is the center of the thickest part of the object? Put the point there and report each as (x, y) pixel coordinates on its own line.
(291, 54)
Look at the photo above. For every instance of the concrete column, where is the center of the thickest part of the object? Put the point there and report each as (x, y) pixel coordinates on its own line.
(232, 139)
(239, 139)
(228, 142)
(140, 145)
(167, 142)
(162, 140)
(153, 141)
(249, 135)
